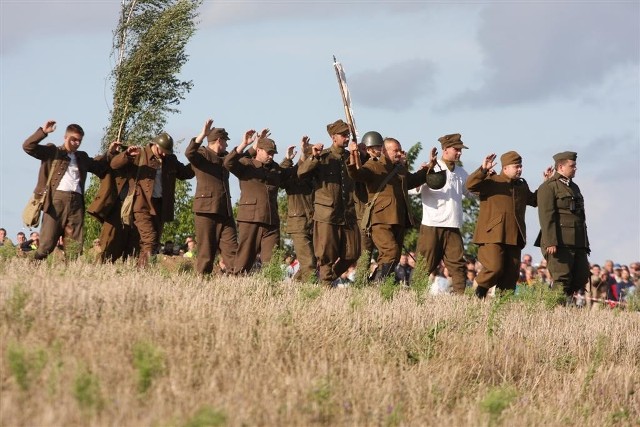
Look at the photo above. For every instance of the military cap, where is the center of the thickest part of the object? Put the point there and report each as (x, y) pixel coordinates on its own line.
(510, 158)
(267, 144)
(217, 133)
(337, 127)
(565, 155)
(451, 140)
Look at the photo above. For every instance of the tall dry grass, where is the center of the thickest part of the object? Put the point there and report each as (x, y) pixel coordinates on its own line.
(86, 344)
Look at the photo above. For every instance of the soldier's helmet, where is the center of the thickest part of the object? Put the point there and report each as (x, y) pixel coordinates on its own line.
(372, 139)
(164, 142)
(436, 180)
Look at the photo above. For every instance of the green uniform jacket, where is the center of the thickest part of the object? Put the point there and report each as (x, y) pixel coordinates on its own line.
(502, 207)
(299, 203)
(561, 214)
(334, 190)
(392, 204)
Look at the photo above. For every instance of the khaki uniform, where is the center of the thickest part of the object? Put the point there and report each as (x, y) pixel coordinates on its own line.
(258, 219)
(563, 224)
(361, 198)
(151, 213)
(336, 236)
(63, 210)
(300, 223)
(214, 223)
(500, 229)
(390, 215)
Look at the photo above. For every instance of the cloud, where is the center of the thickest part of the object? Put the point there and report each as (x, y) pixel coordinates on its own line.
(23, 22)
(250, 13)
(540, 50)
(396, 87)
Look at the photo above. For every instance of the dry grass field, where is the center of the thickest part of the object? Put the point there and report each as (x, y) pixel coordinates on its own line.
(106, 345)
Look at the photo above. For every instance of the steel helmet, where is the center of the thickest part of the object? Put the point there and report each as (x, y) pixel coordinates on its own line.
(372, 139)
(436, 180)
(164, 142)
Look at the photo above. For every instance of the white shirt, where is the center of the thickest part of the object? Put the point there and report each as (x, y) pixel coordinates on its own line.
(71, 179)
(157, 184)
(443, 207)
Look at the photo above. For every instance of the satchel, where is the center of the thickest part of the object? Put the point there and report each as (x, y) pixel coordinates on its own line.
(365, 222)
(126, 211)
(33, 211)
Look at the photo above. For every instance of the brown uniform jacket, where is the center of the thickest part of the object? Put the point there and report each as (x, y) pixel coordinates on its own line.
(392, 204)
(172, 169)
(333, 201)
(259, 184)
(47, 153)
(212, 181)
(110, 190)
(561, 214)
(502, 208)
(299, 202)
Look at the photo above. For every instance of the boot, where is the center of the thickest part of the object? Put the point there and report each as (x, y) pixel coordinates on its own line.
(481, 292)
(385, 270)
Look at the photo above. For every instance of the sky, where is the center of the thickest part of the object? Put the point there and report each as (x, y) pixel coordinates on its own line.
(536, 77)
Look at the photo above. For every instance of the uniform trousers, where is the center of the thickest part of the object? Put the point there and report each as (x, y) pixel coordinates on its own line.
(500, 265)
(116, 239)
(303, 245)
(388, 239)
(569, 267)
(150, 230)
(213, 232)
(65, 217)
(255, 238)
(444, 243)
(336, 248)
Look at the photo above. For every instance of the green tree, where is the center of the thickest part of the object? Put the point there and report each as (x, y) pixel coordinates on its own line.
(149, 50)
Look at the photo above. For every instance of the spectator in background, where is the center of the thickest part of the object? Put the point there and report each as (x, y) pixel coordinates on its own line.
(598, 286)
(4, 240)
(471, 274)
(31, 244)
(617, 273)
(191, 248)
(527, 259)
(20, 239)
(634, 270)
(403, 270)
(625, 285)
(542, 275)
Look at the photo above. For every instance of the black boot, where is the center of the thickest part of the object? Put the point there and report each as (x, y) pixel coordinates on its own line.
(481, 292)
(385, 270)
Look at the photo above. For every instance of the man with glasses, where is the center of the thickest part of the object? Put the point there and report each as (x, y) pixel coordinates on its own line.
(563, 236)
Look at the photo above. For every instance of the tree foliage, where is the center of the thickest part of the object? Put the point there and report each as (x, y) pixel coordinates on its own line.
(149, 51)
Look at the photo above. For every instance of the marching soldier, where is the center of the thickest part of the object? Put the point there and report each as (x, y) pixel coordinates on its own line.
(500, 230)
(336, 238)
(300, 216)
(213, 213)
(260, 178)
(370, 146)
(64, 195)
(388, 181)
(152, 171)
(440, 237)
(563, 230)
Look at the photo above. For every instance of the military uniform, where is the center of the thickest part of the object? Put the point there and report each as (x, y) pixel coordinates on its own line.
(63, 210)
(336, 237)
(500, 230)
(214, 223)
(300, 223)
(390, 214)
(563, 225)
(117, 240)
(150, 209)
(258, 219)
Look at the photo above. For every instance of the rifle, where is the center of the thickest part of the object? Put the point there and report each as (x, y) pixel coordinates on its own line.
(346, 102)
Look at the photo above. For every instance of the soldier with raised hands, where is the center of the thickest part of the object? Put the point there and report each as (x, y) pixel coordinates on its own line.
(213, 212)
(500, 230)
(260, 178)
(336, 236)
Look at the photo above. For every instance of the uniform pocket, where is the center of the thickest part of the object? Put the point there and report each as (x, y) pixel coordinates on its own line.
(495, 221)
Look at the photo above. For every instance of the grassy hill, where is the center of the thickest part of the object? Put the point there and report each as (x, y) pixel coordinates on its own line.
(85, 344)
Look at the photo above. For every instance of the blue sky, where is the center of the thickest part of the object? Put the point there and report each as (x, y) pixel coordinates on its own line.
(535, 77)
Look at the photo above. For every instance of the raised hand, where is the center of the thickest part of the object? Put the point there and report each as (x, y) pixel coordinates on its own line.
(291, 152)
(49, 126)
(264, 133)
(547, 173)
(133, 150)
(433, 157)
(317, 149)
(206, 130)
(488, 163)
